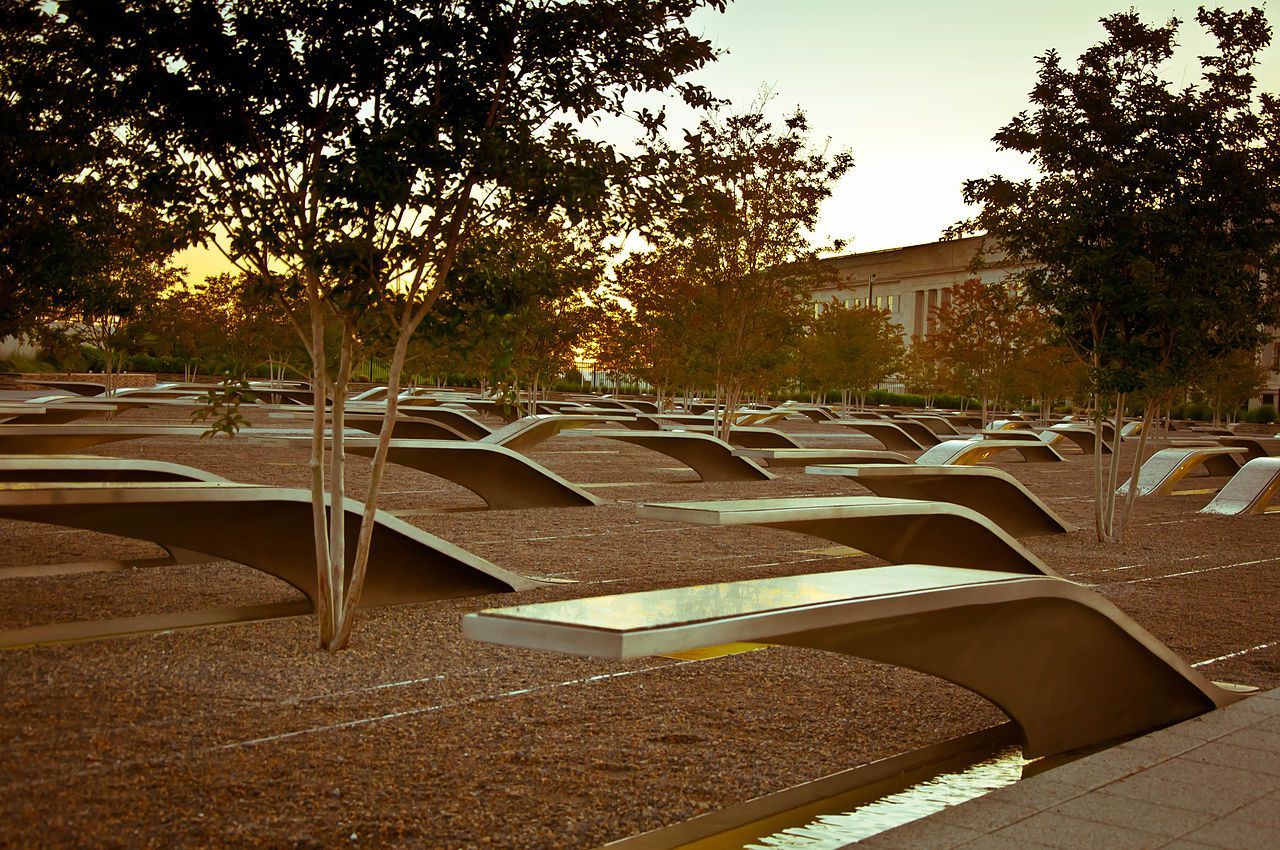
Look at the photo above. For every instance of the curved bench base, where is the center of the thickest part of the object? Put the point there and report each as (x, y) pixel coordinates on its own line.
(997, 634)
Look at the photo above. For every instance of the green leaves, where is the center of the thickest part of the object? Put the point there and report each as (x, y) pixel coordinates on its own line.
(220, 407)
(1152, 232)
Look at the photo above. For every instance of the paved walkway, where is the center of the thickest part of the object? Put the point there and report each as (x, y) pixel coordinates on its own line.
(1212, 782)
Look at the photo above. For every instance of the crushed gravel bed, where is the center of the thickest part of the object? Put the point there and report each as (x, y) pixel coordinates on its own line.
(246, 735)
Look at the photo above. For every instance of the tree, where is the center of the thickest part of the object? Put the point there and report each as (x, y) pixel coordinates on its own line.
(525, 291)
(730, 212)
(1229, 380)
(358, 148)
(851, 349)
(1153, 230)
(924, 369)
(981, 334)
(78, 189)
(659, 325)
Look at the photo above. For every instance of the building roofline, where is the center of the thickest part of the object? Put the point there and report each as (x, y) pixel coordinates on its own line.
(899, 248)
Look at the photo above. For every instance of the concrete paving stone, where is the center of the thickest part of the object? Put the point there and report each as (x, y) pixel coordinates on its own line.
(1245, 758)
(1036, 792)
(1234, 833)
(1221, 778)
(984, 814)
(922, 833)
(1101, 807)
(1183, 844)
(1254, 738)
(1263, 704)
(1215, 724)
(996, 841)
(1058, 830)
(1165, 742)
(1107, 766)
(1265, 812)
(1181, 795)
(1269, 724)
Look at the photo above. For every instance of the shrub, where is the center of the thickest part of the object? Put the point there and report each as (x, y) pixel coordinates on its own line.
(1264, 415)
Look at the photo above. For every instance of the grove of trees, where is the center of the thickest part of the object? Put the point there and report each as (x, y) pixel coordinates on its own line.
(417, 183)
(1151, 236)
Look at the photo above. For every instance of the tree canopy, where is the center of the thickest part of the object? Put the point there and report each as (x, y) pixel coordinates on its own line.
(730, 212)
(1152, 235)
(358, 147)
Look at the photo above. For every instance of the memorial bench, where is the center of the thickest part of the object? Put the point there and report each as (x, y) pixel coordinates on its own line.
(892, 435)
(710, 458)
(266, 528)
(991, 492)
(900, 531)
(749, 437)
(969, 452)
(1255, 447)
(1164, 469)
(54, 411)
(804, 457)
(68, 467)
(1250, 491)
(997, 634)
(1083, 436)
(934, 422)
(505, 479)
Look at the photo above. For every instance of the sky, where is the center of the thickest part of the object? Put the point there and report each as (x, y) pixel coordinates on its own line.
(915, 90)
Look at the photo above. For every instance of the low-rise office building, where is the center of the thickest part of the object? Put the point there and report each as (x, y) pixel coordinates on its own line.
(911, 282)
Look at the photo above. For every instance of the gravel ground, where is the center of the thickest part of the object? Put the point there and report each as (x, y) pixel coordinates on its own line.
(247, 735)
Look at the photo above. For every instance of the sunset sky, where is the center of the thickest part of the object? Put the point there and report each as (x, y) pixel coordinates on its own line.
(915, 90)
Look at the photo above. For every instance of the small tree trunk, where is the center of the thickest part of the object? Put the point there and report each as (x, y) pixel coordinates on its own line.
(1113, 478)
(1131, 495)
(338, 477)
(326, 609)
(1099, 503)
(360, 563)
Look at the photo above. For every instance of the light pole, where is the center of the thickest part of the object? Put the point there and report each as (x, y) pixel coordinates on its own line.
(871, 282)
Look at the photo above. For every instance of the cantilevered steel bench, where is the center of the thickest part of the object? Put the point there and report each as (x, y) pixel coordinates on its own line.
(815, 412)
(998, 634)
(54, 411)
(504, 478)
(1255, 447)
(935, 423)
(1010, 425)
(749, 437)
(1082, 435)
(892, 435)
(523, 434)
(65, 467)
(804, 457)
(455, 419)
(80, 388)
(406, 428)
(991, 492)
(1250, 491)
(711, 459)
(900, 531)
(53, 439)
(1164, 469)
(266, 528)
(969, 452)
(1022, 434)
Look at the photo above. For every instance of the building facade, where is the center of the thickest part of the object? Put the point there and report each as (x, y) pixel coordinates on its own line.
(910, 282)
